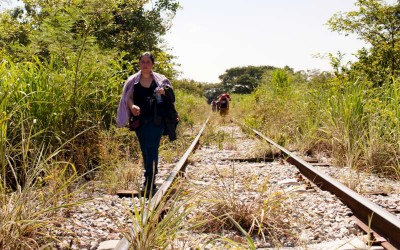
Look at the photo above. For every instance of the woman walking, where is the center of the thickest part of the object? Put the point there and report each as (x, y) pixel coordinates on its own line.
(148, 103)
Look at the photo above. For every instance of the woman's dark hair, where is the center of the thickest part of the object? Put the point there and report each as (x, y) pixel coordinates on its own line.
(152, 58)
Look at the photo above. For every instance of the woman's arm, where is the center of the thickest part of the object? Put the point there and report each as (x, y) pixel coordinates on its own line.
(135, 110)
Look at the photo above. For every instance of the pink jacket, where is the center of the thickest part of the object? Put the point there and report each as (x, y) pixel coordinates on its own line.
(124, 112)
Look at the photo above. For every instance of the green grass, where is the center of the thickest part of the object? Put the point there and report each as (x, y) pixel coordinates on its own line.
(355, 124)
(162, 226)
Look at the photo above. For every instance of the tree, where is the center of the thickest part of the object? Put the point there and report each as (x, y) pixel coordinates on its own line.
(128, 26)
(12, 30)
(378, 24)
(243, 79)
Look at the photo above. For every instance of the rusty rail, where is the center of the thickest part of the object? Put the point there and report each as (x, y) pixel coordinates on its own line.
(381, 221)
(123, 244)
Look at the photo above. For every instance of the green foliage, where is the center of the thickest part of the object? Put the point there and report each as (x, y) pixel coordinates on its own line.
(275, 105)
(237, 80)
(243, 79)
(13, 32)
(189, 86)
(191, 108)
(383, 149)
(352, 121)
(376, 23)
(280, 80)
(347, 121)
(64, 65)
(318, 80)
(212, 91)
(132, 27)
(60, 103)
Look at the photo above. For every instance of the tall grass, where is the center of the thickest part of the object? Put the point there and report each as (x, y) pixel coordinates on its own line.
(43, 189)
(383, 148)
(192, 109)
(35, 186)
(39, 163)
(277, 107)
(364, 125)
(351, 121)
(42, 92)
(347, 122)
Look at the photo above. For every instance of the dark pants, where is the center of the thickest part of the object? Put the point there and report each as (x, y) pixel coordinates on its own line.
(149, 136)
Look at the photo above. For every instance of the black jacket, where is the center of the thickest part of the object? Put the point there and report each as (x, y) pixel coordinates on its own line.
(167, 112)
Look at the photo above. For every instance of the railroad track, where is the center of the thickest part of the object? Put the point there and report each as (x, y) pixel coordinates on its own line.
(383, 229)
(384, 226)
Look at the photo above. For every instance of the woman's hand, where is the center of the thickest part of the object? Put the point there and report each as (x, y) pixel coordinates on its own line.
(160, 91)
(135, 110)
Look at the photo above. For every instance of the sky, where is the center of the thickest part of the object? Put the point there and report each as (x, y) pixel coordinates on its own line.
(210, 36)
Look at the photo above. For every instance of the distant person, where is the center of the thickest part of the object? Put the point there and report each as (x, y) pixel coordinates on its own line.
(148, 102)
(224, 96)
(223, 103)
(214, 105)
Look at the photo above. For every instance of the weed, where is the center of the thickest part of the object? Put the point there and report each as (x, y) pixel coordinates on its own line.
(161, 226)
(225, 211)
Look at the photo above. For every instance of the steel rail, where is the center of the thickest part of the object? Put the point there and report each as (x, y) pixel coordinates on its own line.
(123, 244)
(381, 221)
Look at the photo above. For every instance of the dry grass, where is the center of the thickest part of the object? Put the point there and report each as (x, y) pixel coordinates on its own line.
(264, 150)
(163, 226)
(31, 214)
(216, 135)
(222, 209)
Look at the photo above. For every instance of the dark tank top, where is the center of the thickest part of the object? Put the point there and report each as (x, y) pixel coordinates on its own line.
(144, 98)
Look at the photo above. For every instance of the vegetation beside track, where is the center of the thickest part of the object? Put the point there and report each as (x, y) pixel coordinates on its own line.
(61, 82)
(355, 124)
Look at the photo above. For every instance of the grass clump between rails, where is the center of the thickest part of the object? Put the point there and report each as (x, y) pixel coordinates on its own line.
(226, 218)
(163, 226)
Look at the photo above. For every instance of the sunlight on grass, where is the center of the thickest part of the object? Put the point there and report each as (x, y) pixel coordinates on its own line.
(356, 125)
